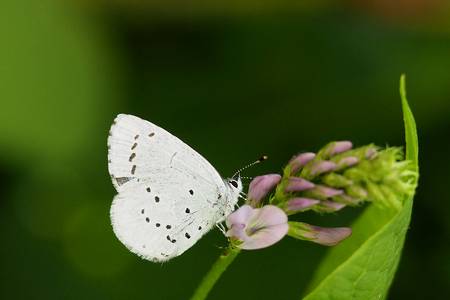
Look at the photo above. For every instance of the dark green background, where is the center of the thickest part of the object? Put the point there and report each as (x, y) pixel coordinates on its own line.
(234, 83)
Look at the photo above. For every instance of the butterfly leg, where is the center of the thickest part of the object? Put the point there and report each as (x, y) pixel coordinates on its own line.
(221, 228)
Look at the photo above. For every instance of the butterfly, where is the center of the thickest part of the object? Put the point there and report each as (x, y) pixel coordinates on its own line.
(169, 196)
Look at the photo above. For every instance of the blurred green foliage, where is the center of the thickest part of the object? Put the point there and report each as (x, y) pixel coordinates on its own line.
(233, 88)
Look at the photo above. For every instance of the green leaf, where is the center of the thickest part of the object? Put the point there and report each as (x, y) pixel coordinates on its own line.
(363, 266)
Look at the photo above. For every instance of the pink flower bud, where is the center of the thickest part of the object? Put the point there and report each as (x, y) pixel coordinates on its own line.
(330, 206)
(257, 228)
(297, 184)
(347, 162)
(322, 191)
(371, 153)
(295, 205)
(339, 147)
(321, 167)
(300, 161)
(260, 186)
(346, 199)
(321, 235)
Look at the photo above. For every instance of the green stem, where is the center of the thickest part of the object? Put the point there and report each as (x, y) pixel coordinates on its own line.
(214, 274)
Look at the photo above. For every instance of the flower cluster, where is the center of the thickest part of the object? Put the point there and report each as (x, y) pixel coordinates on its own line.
(336, 177)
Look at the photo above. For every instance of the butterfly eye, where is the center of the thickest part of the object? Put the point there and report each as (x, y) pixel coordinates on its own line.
(234, 183)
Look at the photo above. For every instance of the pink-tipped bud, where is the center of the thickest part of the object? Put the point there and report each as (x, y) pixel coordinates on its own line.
(347, 162)
(300, 161)
(297, 184)
(321, 167)
(339, 147)
(321, 235)
(324, 192)
(371, 153)
(299, 204)
(357, 192)
(346, 199)
(330, 206)
(260, 186)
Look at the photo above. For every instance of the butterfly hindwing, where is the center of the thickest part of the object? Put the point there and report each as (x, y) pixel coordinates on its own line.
(167, 192)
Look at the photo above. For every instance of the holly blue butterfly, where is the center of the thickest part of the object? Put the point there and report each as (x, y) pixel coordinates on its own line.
(169, 196)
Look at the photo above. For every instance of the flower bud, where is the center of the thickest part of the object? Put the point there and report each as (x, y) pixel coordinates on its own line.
(346, 162)
(297, 184)
(329, 206)
(296, 205)
(260, 186)
(356, 191)
(346, 199)
(323, 192)
(335, 148)
(300, 161)
(336, 180)
(321, 167)
(371, 153)
(321, 235)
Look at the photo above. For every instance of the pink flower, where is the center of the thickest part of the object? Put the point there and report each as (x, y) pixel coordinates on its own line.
(321, 235)
(330, 206)
(297, 184)
(321, 167)
(299, 161)
(299, 204)
(257, 228)
(347, 162)
(260, 186)
(338, 147)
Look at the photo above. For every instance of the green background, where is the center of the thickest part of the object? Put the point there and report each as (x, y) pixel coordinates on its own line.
(234, 81)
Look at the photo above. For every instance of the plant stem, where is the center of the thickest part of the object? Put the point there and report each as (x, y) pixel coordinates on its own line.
(214, 274)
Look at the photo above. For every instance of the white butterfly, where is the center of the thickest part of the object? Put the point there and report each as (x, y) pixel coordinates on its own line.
(169, 196)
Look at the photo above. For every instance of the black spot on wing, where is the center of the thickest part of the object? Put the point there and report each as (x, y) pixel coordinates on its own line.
(132, 156)
(121, 180)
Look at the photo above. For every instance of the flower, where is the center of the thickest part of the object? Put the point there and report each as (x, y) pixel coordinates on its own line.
(296, 205)
(338, 176)
(297, 184)
(300, 161)
(327, 236)
(257, 228)
(323, 166)
(335, 148)
(260, 186)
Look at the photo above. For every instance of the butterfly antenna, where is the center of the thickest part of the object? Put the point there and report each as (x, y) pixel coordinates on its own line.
(261, 159)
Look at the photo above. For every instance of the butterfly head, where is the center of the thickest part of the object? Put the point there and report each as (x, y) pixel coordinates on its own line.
(236, 184)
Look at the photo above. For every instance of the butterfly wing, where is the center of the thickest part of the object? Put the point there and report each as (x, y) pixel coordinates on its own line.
(167, 192)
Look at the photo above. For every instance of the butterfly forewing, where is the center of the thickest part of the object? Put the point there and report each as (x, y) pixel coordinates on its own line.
(168, 193)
